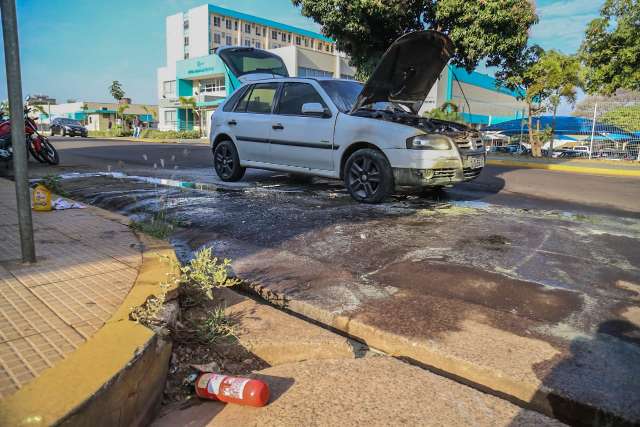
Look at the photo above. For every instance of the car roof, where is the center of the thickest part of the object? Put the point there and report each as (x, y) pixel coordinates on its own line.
(299, 79)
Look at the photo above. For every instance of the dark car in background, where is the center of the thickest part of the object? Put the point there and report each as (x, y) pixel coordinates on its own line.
(67, 127)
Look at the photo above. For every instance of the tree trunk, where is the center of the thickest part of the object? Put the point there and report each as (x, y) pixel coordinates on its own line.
(553, 129)
(530, 123)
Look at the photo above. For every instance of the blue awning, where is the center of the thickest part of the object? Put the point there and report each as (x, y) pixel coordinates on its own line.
(568, 125)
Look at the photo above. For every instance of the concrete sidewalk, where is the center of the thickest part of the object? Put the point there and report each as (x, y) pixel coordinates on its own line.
(86, 267)
(316, 378)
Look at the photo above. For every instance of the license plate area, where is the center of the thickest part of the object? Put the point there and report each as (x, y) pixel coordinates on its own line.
(475, 162)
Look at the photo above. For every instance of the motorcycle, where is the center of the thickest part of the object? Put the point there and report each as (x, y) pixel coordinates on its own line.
(38, 145)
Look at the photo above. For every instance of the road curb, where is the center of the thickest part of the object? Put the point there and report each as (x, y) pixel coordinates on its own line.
(117, 376)
(566, 168)
(536, 397)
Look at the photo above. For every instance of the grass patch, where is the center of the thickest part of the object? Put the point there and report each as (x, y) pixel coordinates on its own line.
(158, 225)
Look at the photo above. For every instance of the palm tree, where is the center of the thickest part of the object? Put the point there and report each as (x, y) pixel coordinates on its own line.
(117, 92)
(189, 103)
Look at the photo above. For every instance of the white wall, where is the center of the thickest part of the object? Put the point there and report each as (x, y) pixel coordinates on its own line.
(174, 38)
(289, 55)
(199, 31)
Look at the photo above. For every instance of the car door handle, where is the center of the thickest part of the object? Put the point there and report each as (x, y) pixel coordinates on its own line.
(278, 126)
(232, 123)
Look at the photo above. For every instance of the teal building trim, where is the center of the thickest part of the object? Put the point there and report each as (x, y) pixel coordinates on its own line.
(185, 119)
(185, 87)
(267, 23)
(480, 80)
(484, 120)
(449, 94)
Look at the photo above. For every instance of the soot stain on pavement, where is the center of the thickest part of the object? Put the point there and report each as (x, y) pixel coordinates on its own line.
(439, 296)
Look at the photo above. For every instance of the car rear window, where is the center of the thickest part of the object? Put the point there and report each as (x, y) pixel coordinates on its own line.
(231, 103)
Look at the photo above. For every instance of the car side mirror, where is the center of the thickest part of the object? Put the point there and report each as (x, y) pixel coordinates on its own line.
(315, 109)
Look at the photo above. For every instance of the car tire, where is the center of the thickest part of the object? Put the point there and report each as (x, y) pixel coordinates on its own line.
(63, 132)
(368, 176)
(226, 162)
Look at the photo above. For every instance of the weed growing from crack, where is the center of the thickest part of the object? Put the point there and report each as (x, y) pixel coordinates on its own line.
(205, 272)
(215, 326)
(147, 313)
(52, 182)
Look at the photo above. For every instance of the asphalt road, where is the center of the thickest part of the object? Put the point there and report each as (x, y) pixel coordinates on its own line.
(523, 188)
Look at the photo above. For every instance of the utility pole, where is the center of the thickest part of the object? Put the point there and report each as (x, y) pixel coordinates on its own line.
(14, 89)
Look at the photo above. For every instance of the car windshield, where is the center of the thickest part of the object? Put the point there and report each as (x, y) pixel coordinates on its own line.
(245, 61)
(343, 93)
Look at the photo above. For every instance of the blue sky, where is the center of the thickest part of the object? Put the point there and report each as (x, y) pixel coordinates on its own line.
(73, 49)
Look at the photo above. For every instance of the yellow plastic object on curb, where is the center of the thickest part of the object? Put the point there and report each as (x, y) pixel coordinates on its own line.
(41, 198)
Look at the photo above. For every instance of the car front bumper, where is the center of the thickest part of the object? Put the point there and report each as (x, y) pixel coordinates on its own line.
(426, 168)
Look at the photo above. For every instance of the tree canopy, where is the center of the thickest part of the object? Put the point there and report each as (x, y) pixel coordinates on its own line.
(611, 48)
(116, 90)
(494, 31)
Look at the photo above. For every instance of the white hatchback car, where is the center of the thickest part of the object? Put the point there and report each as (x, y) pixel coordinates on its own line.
(370, 136)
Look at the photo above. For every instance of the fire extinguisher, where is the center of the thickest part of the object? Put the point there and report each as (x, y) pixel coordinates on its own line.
(244, 391)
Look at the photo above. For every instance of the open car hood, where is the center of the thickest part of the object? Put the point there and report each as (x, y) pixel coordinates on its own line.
(249, 64)
(408, 70)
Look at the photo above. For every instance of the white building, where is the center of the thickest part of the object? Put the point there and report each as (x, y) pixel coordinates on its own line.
(193, 70)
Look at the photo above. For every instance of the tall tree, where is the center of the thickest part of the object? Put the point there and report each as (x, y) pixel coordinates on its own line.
(495, 31)
(611, 48)
(559, 76)
(526, 79)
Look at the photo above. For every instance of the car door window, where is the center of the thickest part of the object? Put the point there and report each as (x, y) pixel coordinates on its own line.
(261, 98)
(294, 95)
(231, 103)
(241, 107)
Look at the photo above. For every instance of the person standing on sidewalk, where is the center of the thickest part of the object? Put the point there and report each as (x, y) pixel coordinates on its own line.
(136, 128)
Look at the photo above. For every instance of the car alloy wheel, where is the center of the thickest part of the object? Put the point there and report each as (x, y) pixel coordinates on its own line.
(226, 162)
(368, 176)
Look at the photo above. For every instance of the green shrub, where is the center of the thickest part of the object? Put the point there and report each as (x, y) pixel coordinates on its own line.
(170, 134)
(113, 133)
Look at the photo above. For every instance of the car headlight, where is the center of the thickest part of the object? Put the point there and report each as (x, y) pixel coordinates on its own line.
(429, 142)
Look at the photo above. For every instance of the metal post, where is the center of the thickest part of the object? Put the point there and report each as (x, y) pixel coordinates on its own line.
(14, 89)
(593, 129)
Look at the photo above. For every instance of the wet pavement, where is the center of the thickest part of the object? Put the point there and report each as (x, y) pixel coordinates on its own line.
(544, 298)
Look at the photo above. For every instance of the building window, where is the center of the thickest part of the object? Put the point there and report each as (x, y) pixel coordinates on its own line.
(327, 48)
(258, 45)
(228, 24)
(306, 43)
(229, 41)
(274, 35)
(284, 37)
(212, 85)
(313, 72)
(186, 55)
(298, 40)
(216, 21)
(169, 88)
(347, 77)
(247, 43)
(289, 38)
(186, 41)
(216, 38)
(170, 117)
(258, 32)
(185, 24)
(247, 28)
(235, 25)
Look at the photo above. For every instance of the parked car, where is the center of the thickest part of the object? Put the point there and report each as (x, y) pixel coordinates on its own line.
(67, 127)
(370, 136)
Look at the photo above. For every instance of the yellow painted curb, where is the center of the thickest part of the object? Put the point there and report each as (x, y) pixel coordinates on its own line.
(117, 376)
(566, 168)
